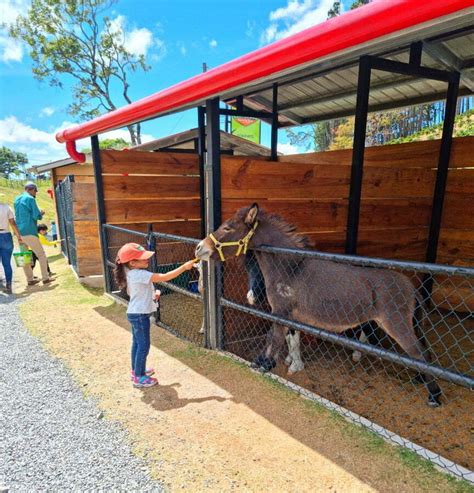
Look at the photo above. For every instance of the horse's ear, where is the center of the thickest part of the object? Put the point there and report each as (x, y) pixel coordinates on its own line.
(251, 214)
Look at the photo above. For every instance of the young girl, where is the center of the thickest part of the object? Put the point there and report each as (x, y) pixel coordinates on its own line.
(131, 273)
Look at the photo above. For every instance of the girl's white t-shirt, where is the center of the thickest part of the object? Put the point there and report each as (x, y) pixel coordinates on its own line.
(141, 291)
(6, 213)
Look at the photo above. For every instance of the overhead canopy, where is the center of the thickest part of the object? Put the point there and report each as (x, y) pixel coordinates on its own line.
(316, 69)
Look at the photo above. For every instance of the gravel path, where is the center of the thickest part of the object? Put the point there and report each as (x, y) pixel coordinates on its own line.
(51, 437)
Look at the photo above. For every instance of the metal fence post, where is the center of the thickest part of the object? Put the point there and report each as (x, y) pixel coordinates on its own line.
(99, 190)
(360, 129)
(212, 169)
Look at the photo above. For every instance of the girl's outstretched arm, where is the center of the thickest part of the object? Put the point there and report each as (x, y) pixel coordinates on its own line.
(173, 273)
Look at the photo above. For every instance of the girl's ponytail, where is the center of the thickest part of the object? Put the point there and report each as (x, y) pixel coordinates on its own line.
(120, 276)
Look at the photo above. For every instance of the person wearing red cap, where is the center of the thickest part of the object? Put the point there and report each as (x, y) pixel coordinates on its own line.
(131, 273)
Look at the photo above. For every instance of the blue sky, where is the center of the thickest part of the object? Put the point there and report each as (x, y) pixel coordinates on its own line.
(176, 37)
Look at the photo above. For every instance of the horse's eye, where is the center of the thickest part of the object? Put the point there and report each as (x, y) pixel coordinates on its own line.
(227, 229)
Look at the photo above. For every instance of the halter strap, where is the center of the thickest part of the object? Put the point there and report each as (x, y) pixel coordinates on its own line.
(242, 243)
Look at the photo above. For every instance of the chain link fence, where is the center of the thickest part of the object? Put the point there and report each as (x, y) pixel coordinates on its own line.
(64, 203)
(181, 308)
(376, 340)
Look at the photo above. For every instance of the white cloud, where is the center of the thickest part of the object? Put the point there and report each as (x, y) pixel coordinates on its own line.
(249, 31)
(47, 111)
(41, 146)
(138, 41)
(288, 149)
(11, 50)
(295, 17)
(213, 43)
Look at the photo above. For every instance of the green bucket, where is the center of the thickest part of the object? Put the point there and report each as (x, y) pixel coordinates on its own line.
(23, 258)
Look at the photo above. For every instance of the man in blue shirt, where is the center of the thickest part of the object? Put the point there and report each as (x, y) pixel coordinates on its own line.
(27, 214)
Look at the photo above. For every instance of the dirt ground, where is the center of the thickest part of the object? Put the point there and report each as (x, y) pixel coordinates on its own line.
(212, 424)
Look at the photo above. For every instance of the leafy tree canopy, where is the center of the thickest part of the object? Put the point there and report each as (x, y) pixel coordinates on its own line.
(75, 39)
(117, 143)
(11, 162)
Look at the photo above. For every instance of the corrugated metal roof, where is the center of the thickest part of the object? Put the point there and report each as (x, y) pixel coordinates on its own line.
(383, 26)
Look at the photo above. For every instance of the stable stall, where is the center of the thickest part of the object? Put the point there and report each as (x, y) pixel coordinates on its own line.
(404, 208)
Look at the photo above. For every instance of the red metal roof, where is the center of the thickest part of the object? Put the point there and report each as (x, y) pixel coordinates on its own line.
(379, 18)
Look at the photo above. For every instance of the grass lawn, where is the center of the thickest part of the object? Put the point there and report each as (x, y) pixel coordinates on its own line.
(213, 424)
(12, 189)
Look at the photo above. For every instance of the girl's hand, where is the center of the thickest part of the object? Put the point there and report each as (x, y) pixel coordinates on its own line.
(189, 264)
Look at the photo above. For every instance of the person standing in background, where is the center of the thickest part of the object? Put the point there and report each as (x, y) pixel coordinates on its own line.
(27, 214)
(54, 232)
(7, 221)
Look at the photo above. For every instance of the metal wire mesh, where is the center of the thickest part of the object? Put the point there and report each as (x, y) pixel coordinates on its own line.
(181, 307)
(347, 318)
(64, 201)
(340, 300)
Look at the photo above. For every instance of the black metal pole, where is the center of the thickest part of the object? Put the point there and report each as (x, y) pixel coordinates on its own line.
(443, 166)
(274, 135)
(101, 217)
(362, 108)
(416, 50)
(212, 270)
(201, 151)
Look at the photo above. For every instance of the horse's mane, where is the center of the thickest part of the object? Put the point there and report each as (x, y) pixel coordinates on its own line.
(285, 228)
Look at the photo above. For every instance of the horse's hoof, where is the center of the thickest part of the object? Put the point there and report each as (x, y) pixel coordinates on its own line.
(201, 331)
(251, 297)
(265, 363)
(356, 356)
(288, 360)
(295, 367)
(434, 400)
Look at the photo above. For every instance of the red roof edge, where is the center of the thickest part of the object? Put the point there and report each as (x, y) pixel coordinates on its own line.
(377, 19)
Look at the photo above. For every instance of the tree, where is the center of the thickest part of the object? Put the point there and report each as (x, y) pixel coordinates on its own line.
(11, 162)
(117, 144)
(73, 38)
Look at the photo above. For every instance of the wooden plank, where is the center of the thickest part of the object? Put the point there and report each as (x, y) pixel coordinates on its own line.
(181, 228)
(458, 212)
(74, 169)
(460, 181)
(132, 211)
(412, 155)
(156, 163)
(256, 179)
(306, 215)
(331, 215)
(457, 246)
(84, 210)
(83, 190)
(118, 187)
(406, 244)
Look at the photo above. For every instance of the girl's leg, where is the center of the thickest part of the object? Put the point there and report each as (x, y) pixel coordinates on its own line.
(142, 331)
(134, 349)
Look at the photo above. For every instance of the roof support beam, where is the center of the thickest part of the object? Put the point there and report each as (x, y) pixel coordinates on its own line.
(246, 113)
(444, 55)
(360, 130)
(274, 134)
(321, 117)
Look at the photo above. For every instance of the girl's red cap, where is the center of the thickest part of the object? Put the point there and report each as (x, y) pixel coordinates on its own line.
(132, 251)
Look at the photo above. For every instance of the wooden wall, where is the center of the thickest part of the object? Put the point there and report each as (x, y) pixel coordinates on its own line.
(86, 228)
(152, 187)
(312, 191)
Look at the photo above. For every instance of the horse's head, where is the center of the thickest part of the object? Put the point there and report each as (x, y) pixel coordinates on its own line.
(232, 238)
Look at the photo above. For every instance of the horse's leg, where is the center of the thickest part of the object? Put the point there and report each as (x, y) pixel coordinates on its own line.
(275, 341)
(289, 358)
(402, 331)
(357, 355)
(295, 352)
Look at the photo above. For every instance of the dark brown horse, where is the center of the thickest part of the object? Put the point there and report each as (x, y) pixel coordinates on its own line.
(322, 293)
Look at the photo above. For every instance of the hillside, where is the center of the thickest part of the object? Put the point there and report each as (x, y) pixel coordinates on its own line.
(463, 127)
(13, 188)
